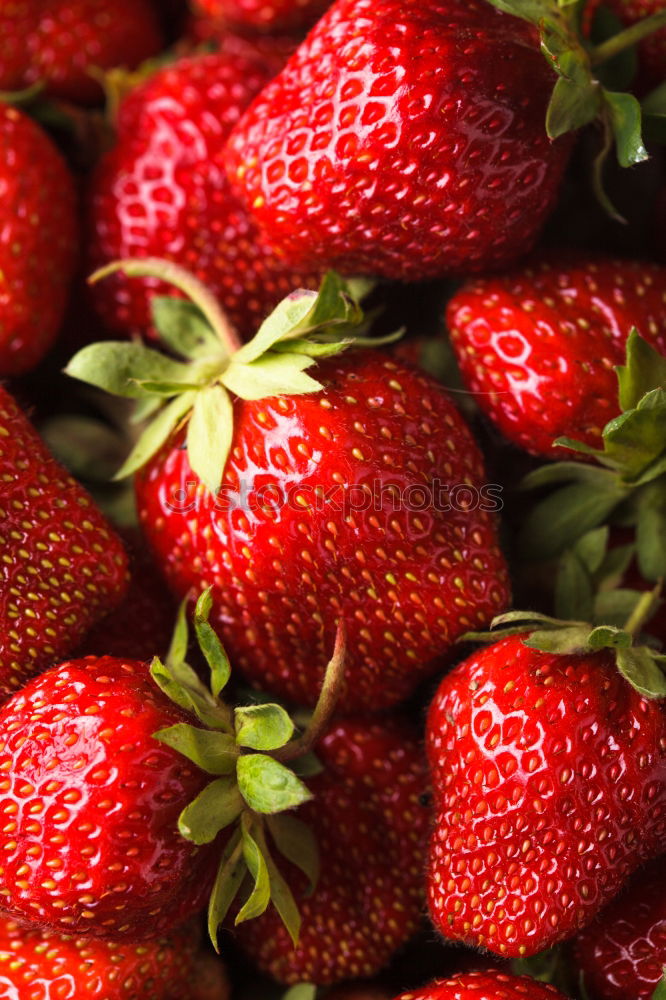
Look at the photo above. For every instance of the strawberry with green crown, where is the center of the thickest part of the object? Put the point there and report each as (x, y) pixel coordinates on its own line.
(359, 493)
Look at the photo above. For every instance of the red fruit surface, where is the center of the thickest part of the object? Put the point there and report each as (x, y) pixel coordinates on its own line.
(162, 192)
(59, 42)
(403, 141)
(38, 232)
(61, 564)
(623, 953)
(549, 775)
(264, 15)
(89, 802)
(538, 345)
(485, 986)
(339, 517)
(37, 965)
(371, 826)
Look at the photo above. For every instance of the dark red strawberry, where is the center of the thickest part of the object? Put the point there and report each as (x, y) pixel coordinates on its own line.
(623, 953)
(403, 142)
(62, 43)
(485, 986)
(370, 817)
(549, 774)
(362, 494)
(37, 240)
(538, 346)
(263, 15)
(37, 964)
(162, 192)
(61, 565)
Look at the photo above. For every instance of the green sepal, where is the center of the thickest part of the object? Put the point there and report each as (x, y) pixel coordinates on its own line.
(574, 588)
(216, 807)
(268, 786)
(626, 123)
(615, 606)
(210, 645)
(119, 367)
(571, 107)
(304, 991)
(230, 875)
(296, 842)
(157, 433)
(569, 640)
(209, 435)
(660, 990)
(555, 523)
(635, 439)
(281, 895)
(263, 727)
(260, 895)
(643, 371)
(651, 530)
(182, 685)
(271, 375)
(644, 670)
(183, 327)
(177, 652)
(211, 750)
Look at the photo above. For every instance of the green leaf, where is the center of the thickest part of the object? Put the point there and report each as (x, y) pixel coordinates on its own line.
(613, 607)
(212, 751)
(574, 589)
(282, 897)
(651, 531)
(263, 727)
(259, 898)
(616, 563)
(268, 786)
(209, 435)
(608, 637)
(117, 367)
(180, 638)
(571, 106)
(157, 433)
(591, 549)
(636, 438)
(555, 523)
(660, 991)
(580, 447)
(210, 645)
(304, 991)
(145, 408)
(307, 765)
(529, 10)
(645, 370)
(230, 875)
(182, 685)
(625, 115)
(282, 322)
(558, 472)
(640, 667)
(573, 639)
(218, 805)
(296, 841)
(271, 375)
(183, 327)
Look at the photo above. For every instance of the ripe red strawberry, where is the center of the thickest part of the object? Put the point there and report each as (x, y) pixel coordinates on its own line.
(403, 143)
(623, 953)
(91, 843)
(370, 817)
(61, 565)
(549, 774)
(162, 192)
(37, 241)
(490, 985)
(38, 964)
(59, 42)
(538, 345)
(263, 15)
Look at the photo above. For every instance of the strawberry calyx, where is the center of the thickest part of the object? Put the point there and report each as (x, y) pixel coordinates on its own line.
(302, 991)
(629, 474)
(253, 791)
(211, 365)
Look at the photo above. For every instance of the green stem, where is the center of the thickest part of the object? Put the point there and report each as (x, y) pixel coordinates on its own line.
(625, 39)
(328, 699)
(643, 610)
(177, 276)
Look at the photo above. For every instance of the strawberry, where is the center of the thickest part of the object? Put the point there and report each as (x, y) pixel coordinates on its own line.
(549, 774)
(342, 511)
(37, 241)
(162, 191)
(369, 821)
(61, 567)
(62, 42)
(623, 953)
(553, 331)
(259, 15)
(410, 147)
(491, 985)
(162, 969)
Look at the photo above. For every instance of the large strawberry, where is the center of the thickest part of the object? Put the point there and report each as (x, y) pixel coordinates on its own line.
(361, 494)
(623, 953)
(61, 565)
(538, 346)
(162, 969)
(549, 773)
(260, 15)
(162, 192)
(62, 43)
(490, 985)
(37, 240)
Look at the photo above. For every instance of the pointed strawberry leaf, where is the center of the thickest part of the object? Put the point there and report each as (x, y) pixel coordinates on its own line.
(608, 637)
(304, 991)
(216, 807)
(573, 639)
(644, 370)
(210, 645)
(157, 433)
(660, 991)
(209, 435)
(270, 375)
(574, 588)
(282, 897)
(571, 107)
(626, 122)
(180, 637)
(263, 727)
(119, 366)
(230, 874)
(651, 530)
(642, 668)
(260, 896)
(183, 327)
(614, 607)
(636, 438)
(268, 786)
(212, 751)
(557, 521)
(297, 843)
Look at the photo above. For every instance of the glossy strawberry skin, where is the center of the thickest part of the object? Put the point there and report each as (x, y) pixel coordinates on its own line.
(485, 986)
(46, 966)
(61, 564)
(162, 192)
(538, 346)
(403, 142)
(38, 233)
(264, 15)
(59, 42)
(407, 581)
(90, 801)
(371, 824)
(549, 775)
(623, 952)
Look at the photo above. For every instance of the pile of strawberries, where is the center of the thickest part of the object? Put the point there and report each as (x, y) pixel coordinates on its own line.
(332, 335)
